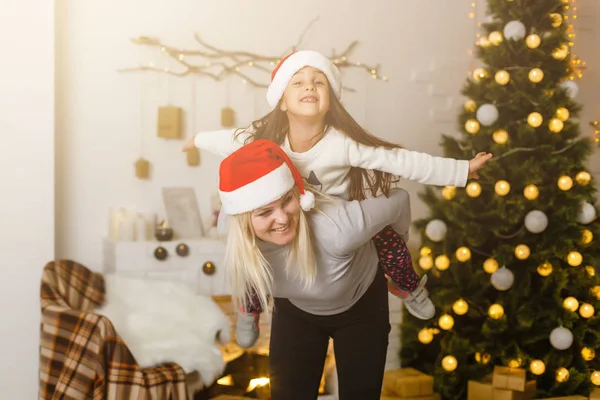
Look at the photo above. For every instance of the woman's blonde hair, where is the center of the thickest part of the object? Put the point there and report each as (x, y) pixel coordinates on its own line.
(249, 271)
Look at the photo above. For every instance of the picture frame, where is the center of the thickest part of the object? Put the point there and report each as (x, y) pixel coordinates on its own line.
(183, 214)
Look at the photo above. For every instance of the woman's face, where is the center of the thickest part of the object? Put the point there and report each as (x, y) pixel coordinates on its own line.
(307, 94)
(277, 222)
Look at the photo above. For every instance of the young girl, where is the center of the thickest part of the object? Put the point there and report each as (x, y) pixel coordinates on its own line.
(337, 157)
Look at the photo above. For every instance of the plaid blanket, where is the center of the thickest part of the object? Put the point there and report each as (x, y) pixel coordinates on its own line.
(81, 355)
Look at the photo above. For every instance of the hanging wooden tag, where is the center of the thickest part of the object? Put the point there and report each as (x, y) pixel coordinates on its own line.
(193, 157)
(227, 117)
(169, 122)
(142, 169)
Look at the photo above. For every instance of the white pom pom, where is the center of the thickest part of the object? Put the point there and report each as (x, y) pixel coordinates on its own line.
(307, 200)
(502, 279)
(571, 88)
(561, 338)
(536, 221)
(487, 114)
(587, 213)
(436, 230)
(514, 30)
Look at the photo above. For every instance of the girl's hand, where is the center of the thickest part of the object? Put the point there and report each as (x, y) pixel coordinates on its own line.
(477, 163)
(189, 144)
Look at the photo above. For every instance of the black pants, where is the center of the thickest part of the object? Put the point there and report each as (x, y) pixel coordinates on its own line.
(299, 342)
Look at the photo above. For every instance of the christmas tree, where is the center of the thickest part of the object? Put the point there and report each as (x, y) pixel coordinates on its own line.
(511, 258)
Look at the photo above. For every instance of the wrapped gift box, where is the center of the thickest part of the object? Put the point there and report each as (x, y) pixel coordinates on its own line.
(595, 395)
(434, 396)
(504, 394)
(567, 398)
(407, 383)
(480, 390)
(509, 378)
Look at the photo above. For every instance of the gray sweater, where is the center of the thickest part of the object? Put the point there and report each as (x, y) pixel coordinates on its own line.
(346, 256)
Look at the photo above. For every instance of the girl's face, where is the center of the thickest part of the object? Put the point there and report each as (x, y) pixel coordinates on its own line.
(277, 222)
(307, 94)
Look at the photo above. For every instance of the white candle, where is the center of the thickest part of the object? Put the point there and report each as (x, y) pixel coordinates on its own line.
(127, 230)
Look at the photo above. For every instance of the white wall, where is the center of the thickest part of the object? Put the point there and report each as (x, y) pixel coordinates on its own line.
(100, 117)
(27, 185)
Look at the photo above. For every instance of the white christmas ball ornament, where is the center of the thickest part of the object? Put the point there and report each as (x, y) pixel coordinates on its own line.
(587, 213)
(436, 230)
(487, 114)
(561, 338)
(571, 88)
(502, 279)
(536, 221)
(514, 30)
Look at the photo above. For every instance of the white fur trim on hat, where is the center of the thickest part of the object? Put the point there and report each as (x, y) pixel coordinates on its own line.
(307, 200)
(294, 63)
(259, 193)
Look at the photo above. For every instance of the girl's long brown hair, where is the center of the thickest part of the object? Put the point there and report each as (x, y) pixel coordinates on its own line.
(275, 126)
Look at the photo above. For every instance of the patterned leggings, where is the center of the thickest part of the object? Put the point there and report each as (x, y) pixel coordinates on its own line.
(394, 260)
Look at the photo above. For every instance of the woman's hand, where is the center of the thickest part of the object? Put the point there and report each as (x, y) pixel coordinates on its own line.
(477, 163)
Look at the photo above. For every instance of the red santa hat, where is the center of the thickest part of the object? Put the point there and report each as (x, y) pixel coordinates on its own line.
(257, 174)
(293, 63)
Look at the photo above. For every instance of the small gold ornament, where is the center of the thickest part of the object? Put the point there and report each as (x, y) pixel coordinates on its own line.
(588, 354)
(537, 367)
(535, 119)
(536, 75)
(426, 263)
(574, 258)
(442, 262)
(472, 126)
(595, 291)
(522, 252)
(449, 363)
(495, 38)
(586, 310)
(570, 303)
(562, 375)
(425, 251)
(448, 192)
(500, 136)
(479, 74)
(515, 362)
(531, 192)
(565, 183)
(556, 19)
(463, 254)
(533, 41)
(502, 77)
(562, 114)
(555, 125)
(595, 378)
(586, 236)
(484, 42)
(496, 311)
(490, 266)
(473, 189)
(561, 52)
(446, 322)
(544, 269)
(460, 307)
(483, 358)
(583, 178)
(591, 271)
(142, 168)
(425, 336)
(502, 188)
(470, 106)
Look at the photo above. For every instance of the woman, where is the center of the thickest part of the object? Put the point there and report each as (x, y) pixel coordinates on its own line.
(318, 263)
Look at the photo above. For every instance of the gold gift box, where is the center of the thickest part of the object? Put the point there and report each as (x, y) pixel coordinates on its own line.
(509, 378)
(407, 383)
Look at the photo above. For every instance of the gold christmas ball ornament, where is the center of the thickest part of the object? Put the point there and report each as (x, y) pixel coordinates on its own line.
(537, 367)
(495, 38)
(595, 291)
(425, 336)
(586, 236)
(502, 188)
(562, 375)
(556, 19)
(536, 75)
(544, 269)
(496, 311)
(586, 310)
(570, 303)
(556, 125)
(470, 106)
(535, 119)
(562, 114)
(583, 178)
(591, 271)
(531, 192)
(522, 252)
(561, 52)
(533, 41)
(574, 258)
(588, 354)
(515, 362)
(472, 126)
(463, 254)
(595, 378)
(502, 77)
(425, 251)
(460, 307)
(484, 42)
(473, 189)
(490, 266)
(565, 183)
(479, 74)
(442, 262)
(448, 192)
(500, 136)
(483, 358)
(426, 263)
(449, 363)
(446, 322)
